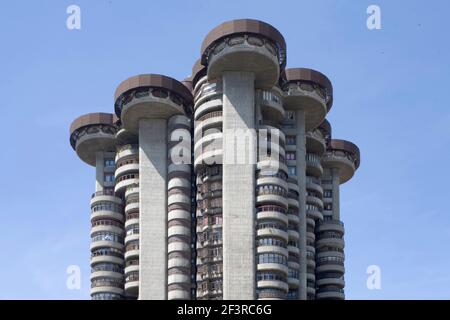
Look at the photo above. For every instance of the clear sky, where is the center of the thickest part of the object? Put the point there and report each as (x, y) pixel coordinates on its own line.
(391, 99)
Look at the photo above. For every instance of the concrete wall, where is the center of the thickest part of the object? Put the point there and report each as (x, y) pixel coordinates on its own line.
(153, 209)
(238, 190)
(301, 177)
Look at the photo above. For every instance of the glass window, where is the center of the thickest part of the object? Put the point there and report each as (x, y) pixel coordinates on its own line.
(109, 163)
(290, 140)
(109, 178)
(290, 156)
(292, 171)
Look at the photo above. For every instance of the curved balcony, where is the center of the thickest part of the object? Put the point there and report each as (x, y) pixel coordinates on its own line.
(313, 166)
(142, 96)
(130, 254)
(276, 284)
(314, 214)
(106, 289)
(178, 294)
(131, 237)
(271, 103)
(272, 164)
(178, 262)
(245, 45)
(208, 158)
(269, 198)
(107, 228)
(331, 225)
(178, 278)
(132, 206)
(123, 185)
(105, 244)
(330, 267)
(106, 259)
(204, 97)
(132, 221)
(311, 292)
(272, 267)
(338, 282)
(208, 142)
(211, 105)
(106, 214)
(330, 293)
(272, 249)
(293, 234)
(179, 199)
(310, 91)
(127, 151)
(104, 196)
(272, 215)
(211, 120)
(330, 242)
(179, 246)
(92, 133)
(315, 142)
(293, 203)
(178, 230)
(272, 232)
(106, 274)
(343, 155)
(313, 184)
(180, 183)
(272, 181)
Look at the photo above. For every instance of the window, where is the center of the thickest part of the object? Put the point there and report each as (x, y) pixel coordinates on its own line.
(292, 171)
(109, 163)
(290, 115)
(290, 156)
(290, 140)
(328, 206)
(109, 178)
(327, 193)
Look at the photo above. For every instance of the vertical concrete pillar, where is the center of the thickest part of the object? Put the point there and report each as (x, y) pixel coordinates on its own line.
(153, 209)
(99, 171)
(238, 187)
(336, 183)
(301, 178)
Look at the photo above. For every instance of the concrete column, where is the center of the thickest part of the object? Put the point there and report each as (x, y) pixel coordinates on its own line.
(336, 183)
(238, 187)
(301, 178)
(99, 171)
(153, 209)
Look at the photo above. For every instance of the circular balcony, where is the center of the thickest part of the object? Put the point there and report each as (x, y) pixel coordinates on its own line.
(310, 276)
(178, 278)
(308, 90)
(130, 222)
(271, 180)
(293, 234)
(293, 250)
(178, 230)
(178, 294)
(132, 206)
(131, 237)
(211, 120)
(344, 156)
(179, 246)
(293, 203)
(314, 214)
(178, 262)
(92, 133)
(208, 158)
(272, 249)
(106, 228)
(106, 259)
(310, 291)
(330, 267)
(262, 199)
(125, 137)
(314, 200)
(248, 46)
(313, 184)
(180, 199)
(150, 96)
(313, 166)
(293, 282)
(130, 254)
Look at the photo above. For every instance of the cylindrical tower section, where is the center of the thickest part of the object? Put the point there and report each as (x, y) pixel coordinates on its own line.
(93, 138)
(179, 209)
(340, 162)
(244, 55)
(144, 103)
(307, 99)
(208, 169)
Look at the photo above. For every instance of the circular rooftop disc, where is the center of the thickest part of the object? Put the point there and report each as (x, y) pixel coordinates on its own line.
(308, 90)
(343, 155)
(150, 96)
(92, 133)
(245, 45)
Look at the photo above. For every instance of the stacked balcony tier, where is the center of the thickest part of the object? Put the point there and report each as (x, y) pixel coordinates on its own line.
(179, 209)
(127, 187)
(107, 244)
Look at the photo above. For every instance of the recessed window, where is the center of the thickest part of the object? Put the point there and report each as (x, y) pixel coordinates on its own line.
(290, 156)
(292, 171)
(327, 193)
(109, 178)
(290, 140)
(109, 163)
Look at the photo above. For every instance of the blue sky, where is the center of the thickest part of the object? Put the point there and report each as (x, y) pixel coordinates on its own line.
(391, 99)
